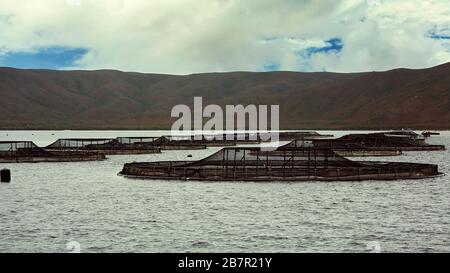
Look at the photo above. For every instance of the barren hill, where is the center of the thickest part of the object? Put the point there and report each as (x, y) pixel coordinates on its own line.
(119, 100)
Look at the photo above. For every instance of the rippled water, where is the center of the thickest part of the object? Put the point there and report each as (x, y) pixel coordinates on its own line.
(48, 205)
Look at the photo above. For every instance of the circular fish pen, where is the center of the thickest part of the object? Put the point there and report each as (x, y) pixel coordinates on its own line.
(28, 152)
(106, 146)
(341, 148)
(253, 164)
(391, 140)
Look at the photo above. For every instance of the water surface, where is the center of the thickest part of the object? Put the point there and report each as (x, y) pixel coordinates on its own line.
(48, 205)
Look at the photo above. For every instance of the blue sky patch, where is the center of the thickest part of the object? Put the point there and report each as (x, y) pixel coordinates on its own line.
(304, 52)
(44, 58)
(439, 34)
(272, 66)
(334, 45)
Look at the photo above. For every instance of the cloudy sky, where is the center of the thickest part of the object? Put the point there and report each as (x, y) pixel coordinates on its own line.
(190, 36)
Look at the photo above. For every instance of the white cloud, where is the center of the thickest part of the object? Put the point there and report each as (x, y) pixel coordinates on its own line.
(188, 36)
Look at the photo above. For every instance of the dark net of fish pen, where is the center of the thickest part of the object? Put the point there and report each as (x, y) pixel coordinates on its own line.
(213, 137)
(196, 138)
(377, 140)
(357, 141)
(120, 143)
(299, 134)
(308, 157)
(20, 149)
(403, 133)
(137, 140)
(322, 144)
(192, 140)
(241, 138)
(253, 164)
(74, 144)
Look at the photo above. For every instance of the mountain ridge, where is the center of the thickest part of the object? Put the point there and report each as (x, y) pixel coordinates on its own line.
(111, 99)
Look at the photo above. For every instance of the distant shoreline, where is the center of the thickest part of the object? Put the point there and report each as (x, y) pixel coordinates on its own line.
(282, 129)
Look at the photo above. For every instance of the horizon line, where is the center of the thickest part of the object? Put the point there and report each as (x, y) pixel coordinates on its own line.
(217, 72)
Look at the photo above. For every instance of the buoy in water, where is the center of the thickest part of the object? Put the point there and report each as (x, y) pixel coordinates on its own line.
(5, 176)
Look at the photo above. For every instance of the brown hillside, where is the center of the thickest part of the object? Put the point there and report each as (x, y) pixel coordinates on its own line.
(113, 99)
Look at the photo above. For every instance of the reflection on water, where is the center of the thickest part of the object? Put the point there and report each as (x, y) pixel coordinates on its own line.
(50, 205)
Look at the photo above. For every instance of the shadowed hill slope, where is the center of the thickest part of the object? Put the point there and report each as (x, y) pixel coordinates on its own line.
(118, 100)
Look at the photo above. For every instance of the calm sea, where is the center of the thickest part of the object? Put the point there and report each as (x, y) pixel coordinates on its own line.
(57, 207)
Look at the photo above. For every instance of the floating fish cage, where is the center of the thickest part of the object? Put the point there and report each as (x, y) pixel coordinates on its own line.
(288, 136)
(397, 141)
(179, 143)
(233, 139)
(149, 145)
(218, 140)
(341, 148)
(427, 134)
(285, 136)
(417, 138)
(203, 141)
(253, 164)
(162, 143)
(214, 140)
(106, 146)
(27, 151)
(408, 133)
(125, 145)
